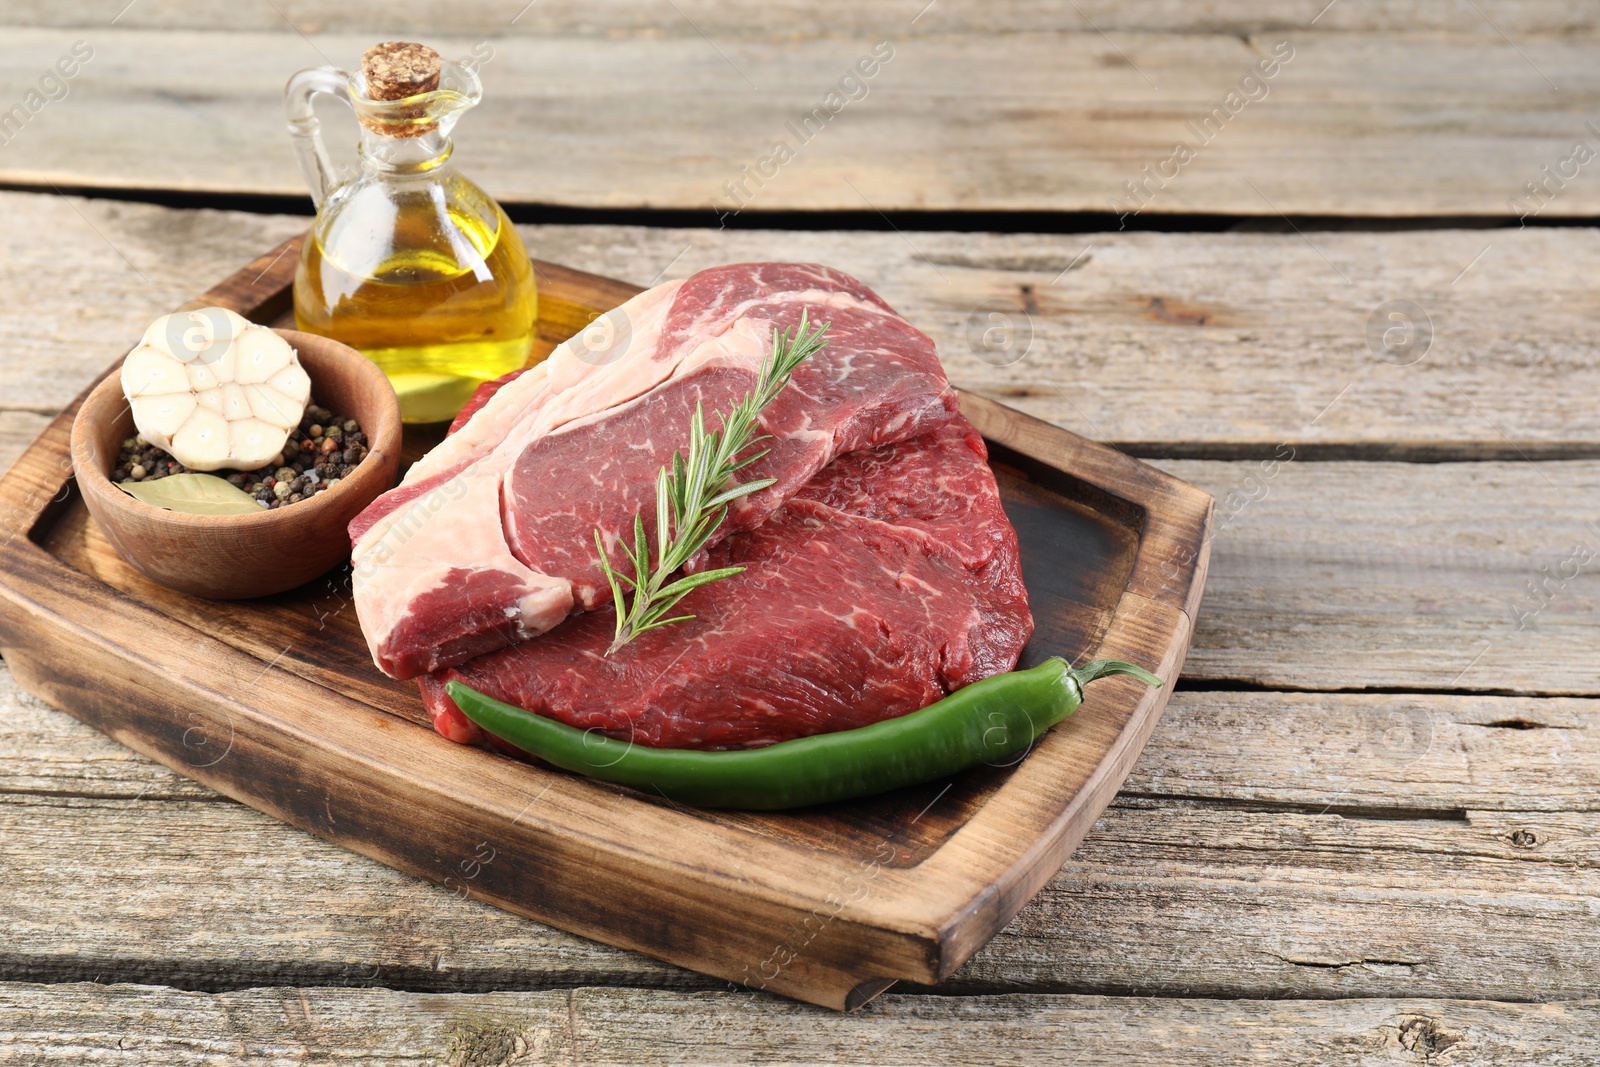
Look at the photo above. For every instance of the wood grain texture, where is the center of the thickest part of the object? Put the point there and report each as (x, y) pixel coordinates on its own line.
(1322, 905)
(195, 893)
(85, 278)
(1186, 343)
(122, 1024)
(1267, 845)
(789, 18)
(1234, 343)
(1275, 844)
(17, 431)
(1365, 123)
(1418, 753)
(1471, 576)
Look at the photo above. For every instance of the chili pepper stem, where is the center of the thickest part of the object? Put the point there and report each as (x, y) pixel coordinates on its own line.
(1106, 668)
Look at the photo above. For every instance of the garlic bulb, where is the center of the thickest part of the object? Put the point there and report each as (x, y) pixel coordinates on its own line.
(215, 390)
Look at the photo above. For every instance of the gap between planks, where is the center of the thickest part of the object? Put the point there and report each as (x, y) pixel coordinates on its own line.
(1226, 346)
(910, 220)
(20, 424)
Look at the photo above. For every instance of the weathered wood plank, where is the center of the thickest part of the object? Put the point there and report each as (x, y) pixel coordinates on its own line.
(1477, 576)
(1430, 754)
(765, 18)
(1162, 342)
(1269, 845)
(17, 431)
(330, 917)
(1369, 124)
(46, 751)
(1172, 342)
(126, 1024)
(83, 279)
(1246, 903)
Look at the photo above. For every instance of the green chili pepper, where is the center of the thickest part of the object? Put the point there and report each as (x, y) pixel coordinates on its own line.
(983, 722)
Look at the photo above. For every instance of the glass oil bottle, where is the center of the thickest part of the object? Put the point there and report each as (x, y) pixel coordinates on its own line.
(408, 261)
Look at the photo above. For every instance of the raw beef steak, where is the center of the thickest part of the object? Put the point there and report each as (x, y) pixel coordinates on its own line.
(888, 581)
(490, 538)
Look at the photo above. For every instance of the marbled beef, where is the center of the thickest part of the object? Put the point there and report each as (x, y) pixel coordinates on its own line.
(490, 539)
(889, 580)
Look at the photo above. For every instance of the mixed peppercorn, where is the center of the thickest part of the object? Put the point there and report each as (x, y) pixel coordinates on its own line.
(322, 451)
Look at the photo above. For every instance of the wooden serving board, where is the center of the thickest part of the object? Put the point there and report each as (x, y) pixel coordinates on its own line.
(276, 703)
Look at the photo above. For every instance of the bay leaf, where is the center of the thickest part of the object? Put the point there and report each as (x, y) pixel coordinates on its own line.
(193, 494)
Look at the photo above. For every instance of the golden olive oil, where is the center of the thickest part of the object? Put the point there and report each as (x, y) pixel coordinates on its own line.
(428, 279)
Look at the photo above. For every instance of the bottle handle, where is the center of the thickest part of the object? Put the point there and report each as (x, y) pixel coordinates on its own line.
(305, 132)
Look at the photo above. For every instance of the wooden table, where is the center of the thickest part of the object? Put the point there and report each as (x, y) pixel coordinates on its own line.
(1366, 830)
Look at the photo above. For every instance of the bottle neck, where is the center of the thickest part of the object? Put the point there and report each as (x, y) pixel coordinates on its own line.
(401, 156)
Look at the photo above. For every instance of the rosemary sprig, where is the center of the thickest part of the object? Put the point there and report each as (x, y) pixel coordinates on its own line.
(692, 497)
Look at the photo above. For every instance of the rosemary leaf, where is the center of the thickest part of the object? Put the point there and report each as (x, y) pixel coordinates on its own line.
(692, 497)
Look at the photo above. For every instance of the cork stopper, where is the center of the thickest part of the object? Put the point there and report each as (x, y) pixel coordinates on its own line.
(395, 70)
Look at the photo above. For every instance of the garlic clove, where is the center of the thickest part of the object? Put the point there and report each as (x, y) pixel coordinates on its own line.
(271, 406)
(261, 354)
(291, 381)
(163, 413)
(255, 442)
(235, 404)
(224, 365)
(201, 378)
(148, 371)
(203, 442)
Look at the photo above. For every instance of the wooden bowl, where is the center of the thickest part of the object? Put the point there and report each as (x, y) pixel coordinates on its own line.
(233, 557)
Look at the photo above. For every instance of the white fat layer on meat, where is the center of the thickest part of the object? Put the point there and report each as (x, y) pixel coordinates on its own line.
(400, 561)
(492, 427)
